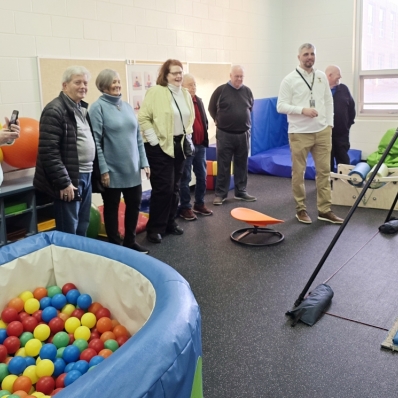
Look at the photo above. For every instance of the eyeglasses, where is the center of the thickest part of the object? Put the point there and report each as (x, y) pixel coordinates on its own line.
(176, 73)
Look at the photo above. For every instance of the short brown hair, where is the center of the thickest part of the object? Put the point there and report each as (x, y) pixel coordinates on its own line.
(165, 70)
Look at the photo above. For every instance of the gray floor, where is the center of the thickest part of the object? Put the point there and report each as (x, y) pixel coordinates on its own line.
(249, 347)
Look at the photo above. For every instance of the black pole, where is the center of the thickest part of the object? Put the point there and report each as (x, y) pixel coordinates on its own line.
(392, 208)
(343, 225)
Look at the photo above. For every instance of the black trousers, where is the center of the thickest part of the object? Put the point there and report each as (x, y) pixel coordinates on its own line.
(340, 147)
(165, 179)
(111, 198)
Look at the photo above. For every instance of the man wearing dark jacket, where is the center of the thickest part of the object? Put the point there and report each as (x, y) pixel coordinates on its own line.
(344, 115)
(198, 160)
(67, 155)
(230, 106)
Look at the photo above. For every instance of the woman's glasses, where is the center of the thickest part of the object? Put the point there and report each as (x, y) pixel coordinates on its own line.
(176, 73)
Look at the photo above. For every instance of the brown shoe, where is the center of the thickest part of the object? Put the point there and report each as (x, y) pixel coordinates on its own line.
(202, 209)
(303, 217)
(330, 217)
(188, 214)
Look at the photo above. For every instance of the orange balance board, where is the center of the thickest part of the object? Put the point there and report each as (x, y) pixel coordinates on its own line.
(253, 217)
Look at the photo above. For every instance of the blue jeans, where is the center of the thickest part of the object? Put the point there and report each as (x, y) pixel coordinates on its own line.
(74, 217)
(198, 161)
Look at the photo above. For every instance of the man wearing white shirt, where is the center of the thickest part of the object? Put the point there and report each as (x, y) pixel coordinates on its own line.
(305, 96)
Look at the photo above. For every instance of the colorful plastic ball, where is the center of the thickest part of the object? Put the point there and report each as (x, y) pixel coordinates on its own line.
(78, 313)
(48, 351)
(12, 344)
(31, 305)
(71, 354)
(18, 394)
(45, 385)
(3, 353)
(4, 393)
(45, 302)
(22, 315)
(30, 361)
(32, 347)
(72, 324)
(20, 352)
(58, 301)
(67, 287)
(3, 335)
(95, 222)
(61, 339)
(30, 372)
(9, 315)
(84, 301)
(29, 323)
(107, 336)
(26, 295)
(105, 353)
(69, 367)
(81, 366)
(56, 325)
(87, 354)
(3, 371)
(17, 303)
(71, 377)
(14, 328)
(120, 330)
(96, 344)
(22, 383)
(82, 332)
(63, 316)
(111, 345)
(122, 340)
(42, 332)
(89, 320)
(94, 307)
(27, 143)
(45, 368)
(59, 367)
(103, 312)
(81, 344)
(60, 351)
(71, 338)
(94, 335)
(68, 309)
(49, 313)
(53, 290)
(3, 325)
(72, 296)
(39, 293)
(104, 324)
(37, 315)
(95, 360)
(8, 382)
(17, 365)
(59, 382)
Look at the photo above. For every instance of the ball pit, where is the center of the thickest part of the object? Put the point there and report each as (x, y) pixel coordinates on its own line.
(163, 358)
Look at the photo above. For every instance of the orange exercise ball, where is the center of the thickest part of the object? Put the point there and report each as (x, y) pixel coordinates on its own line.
(22, 154)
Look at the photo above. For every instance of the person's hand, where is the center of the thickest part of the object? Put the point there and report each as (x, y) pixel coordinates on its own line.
(147, 172)
(67, 194)
(310, 112)
(9, 133)
(105, 180)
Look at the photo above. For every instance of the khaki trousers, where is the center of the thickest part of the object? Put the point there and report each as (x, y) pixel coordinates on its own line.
(319, 144)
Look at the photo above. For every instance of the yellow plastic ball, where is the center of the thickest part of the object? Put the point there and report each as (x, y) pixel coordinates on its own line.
(32, 347)
(21, 352)
(3, 325)
(1, 156)
(31, 305)
(8, 382)
(42, 332)
(82, 332)
(72, 324)
(26, 295)
(38, 394)
(30, 372)
(89, 320)
(68, 309)
(45, 368)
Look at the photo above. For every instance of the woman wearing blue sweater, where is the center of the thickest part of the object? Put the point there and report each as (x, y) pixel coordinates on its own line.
(121, 157)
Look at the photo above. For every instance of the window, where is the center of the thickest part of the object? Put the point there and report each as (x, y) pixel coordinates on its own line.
(378, 66)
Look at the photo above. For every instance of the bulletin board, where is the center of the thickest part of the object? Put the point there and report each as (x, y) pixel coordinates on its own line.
(51, 70)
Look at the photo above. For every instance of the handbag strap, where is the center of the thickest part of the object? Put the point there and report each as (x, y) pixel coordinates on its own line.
(182, 122)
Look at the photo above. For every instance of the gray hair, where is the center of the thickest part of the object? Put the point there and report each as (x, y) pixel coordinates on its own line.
(188, 76)
(306, 45)
(105, 79)
(236, 66)
(75, 71)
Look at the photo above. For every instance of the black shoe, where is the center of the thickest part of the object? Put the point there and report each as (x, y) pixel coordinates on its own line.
(153, 237)
(137, 247)
(174, 230)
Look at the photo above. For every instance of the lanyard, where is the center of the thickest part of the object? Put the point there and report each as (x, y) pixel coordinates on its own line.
(305, 81)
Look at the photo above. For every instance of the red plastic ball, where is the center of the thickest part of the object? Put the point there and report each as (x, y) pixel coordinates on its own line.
(94, 307)
(103, 312)
(27, 143)
(87, 354)
(121, 340)
(56, 325)
(22, 315)
(96, 344)
(9, 314)
(12, 344)
(14, 328)
(45, 385)
(37, 315)
(29, 323)
(56, 391)
(78, 313)
(67, 287)
(94, 335)
(59, 382)
(3, 353)
(71, 338)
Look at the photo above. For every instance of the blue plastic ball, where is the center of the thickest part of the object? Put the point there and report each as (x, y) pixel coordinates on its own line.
(69, 367)
(3, 335)
(17, 365)
(30, 361)
(58, 301)
(84, 301)
(81, 366)
(72, 376)
(71, 354)
(48, 351)
(59, 367)
(45, 302)
(72, 296)
(49, 313)
(95, 360)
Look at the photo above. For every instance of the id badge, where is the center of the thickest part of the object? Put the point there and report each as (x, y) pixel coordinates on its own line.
(312, 103)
